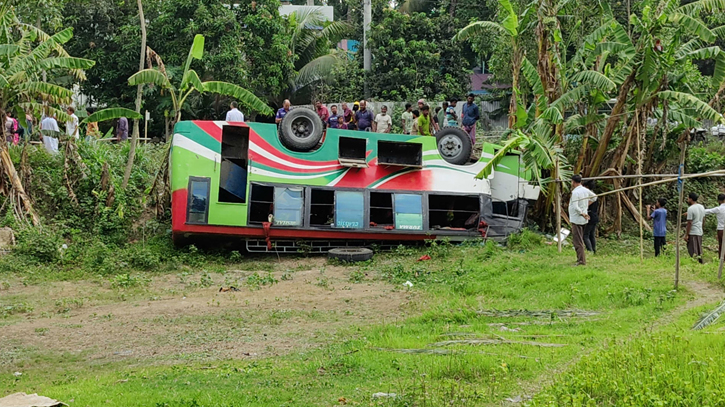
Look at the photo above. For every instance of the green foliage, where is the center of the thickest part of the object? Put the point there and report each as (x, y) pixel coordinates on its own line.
(125, 281)
(662, 369)
(256, 281)
(39, 244)
(415, 54)
(525, 240)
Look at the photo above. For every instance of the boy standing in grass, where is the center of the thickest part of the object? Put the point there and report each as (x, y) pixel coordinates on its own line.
(659, 218)
(720, 212)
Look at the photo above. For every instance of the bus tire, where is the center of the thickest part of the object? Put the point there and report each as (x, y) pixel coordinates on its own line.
(301, 130)
(350, 254)
(454, 145)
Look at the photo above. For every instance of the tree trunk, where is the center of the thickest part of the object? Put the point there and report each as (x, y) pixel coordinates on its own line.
(612, 123)
(515, 74)
(681, 171)
(139, 94)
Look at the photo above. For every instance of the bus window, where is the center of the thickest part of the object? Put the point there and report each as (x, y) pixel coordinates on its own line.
(233, 171)
(349, 210)
(401, 154)
(381, 209)
(457, 212)
(198, 205)
(261, 203)
(288, 204)
(322, 207)
(408, 212)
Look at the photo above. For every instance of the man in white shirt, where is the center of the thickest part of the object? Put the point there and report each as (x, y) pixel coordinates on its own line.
(50, 143)
(720, 212)
(579, 217)
(71, 126)
(234, 115)
(383, 123)
(693, 231)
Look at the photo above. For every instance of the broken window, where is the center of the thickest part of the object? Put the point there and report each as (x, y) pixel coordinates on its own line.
(288, 206)
(456, 212)
(408, 211)
(508, 208)
(381, 209)
(349, 209)
(322, 207)
(261, 204)
(233, 171)
(401, 154)
(198, 204)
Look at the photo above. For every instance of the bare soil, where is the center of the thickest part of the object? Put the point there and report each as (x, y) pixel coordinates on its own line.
(174, 318)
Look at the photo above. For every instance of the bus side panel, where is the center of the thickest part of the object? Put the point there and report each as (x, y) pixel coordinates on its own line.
(195, 153)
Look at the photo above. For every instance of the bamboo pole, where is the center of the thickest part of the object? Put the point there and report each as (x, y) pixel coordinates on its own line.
(722, 256)
(664, 181)
(681, 170)
(558, 213)
(639, 182)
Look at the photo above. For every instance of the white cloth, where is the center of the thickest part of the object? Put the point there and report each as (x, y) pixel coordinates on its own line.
(235, 115)
(72, 125)
(720, 212)
(579, 204)
(49, 123)
(50, 144)
(383, 122)
(696, 213)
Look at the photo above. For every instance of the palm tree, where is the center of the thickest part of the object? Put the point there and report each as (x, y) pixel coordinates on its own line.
(190, 83)
(313, 42)
(512, 29)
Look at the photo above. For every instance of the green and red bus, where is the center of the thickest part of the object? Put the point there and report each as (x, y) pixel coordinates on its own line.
(288, 188)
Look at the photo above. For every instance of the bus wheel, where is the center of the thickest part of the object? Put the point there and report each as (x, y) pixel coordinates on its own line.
(301, 130)
(350, 254)
(454, 145)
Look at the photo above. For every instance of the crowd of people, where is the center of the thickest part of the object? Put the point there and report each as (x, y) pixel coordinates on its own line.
(49, 129)
(584, 217)
(421, 121)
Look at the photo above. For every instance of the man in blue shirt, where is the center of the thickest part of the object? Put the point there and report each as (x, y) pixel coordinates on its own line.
(282, 112)
(659, 215)
(364, 117)
(470, 117)
(332, 120)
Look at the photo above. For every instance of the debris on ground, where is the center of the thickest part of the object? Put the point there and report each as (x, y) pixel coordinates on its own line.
(424, 258)
(408, 284)
(518, 399)
(561, 313)
(228, 289)
(28, 400)
(17, 374)
(384, 395)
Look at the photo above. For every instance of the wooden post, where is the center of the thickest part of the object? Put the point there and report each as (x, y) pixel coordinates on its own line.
(146, 127)
(681, 170)
(558, 213)
(639, 183)
(722, 256)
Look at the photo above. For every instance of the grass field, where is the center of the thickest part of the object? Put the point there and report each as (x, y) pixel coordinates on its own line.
(481, 325)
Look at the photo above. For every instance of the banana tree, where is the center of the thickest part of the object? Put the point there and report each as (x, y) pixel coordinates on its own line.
(190, 82)
(512, 29)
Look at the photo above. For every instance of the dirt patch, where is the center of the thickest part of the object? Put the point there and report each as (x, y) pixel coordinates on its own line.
(173, 321)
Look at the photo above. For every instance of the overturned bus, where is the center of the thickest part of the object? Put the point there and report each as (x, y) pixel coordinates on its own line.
(291, 188)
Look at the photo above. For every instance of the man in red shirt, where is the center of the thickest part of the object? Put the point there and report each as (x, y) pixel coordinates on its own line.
(322, 112)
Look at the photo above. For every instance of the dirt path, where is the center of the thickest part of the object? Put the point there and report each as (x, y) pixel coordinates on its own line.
(703, 293)
(173, 323)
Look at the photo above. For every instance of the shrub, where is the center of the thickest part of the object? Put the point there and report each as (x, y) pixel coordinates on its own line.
(526, 240)
(39, 244)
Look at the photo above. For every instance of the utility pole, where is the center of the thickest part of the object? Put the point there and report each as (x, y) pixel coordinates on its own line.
(367, 19)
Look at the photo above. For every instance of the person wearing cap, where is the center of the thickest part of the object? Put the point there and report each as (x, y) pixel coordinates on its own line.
(421, 103)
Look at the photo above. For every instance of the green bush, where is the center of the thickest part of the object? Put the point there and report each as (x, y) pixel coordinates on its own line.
(39, 244)
(525, 240)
